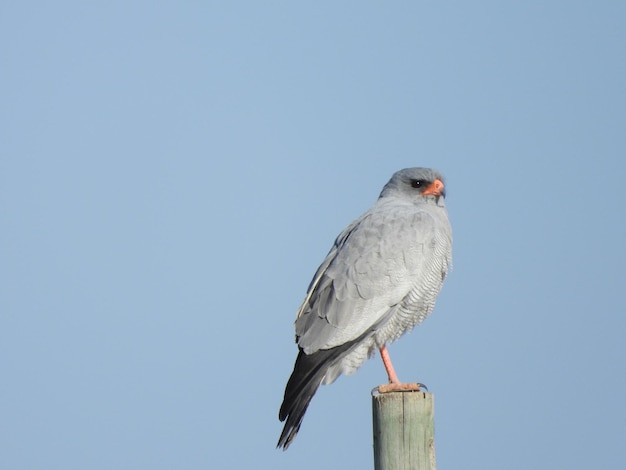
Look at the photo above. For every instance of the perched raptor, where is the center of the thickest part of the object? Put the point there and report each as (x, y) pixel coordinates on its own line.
(379, 280)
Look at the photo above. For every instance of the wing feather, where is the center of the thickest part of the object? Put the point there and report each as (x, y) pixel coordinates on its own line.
(392, 248)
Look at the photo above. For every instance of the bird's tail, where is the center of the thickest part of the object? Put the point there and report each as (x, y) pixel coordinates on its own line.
(307, 376)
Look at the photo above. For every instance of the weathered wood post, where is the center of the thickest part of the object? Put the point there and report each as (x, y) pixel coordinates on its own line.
(404, 431)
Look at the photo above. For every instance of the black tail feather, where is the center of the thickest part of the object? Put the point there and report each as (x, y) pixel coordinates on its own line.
(307, 376)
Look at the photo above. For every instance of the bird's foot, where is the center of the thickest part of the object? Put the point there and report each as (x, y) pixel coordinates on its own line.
(400, 387)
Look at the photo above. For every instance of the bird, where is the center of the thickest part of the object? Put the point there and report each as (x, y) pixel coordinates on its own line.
(380, 279)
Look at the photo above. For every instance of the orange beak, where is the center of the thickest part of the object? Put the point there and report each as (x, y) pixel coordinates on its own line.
(435, 188)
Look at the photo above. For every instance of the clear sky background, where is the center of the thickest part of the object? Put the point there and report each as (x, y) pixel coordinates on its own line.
(172, 174)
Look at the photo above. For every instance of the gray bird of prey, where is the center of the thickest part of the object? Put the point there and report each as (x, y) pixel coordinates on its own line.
(379, 280)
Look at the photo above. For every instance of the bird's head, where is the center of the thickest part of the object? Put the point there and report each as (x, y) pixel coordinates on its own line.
(415, 182)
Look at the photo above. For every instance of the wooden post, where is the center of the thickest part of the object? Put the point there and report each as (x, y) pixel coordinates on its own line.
(404, 431)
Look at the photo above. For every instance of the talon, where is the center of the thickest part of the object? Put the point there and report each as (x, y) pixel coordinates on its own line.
(400, 387)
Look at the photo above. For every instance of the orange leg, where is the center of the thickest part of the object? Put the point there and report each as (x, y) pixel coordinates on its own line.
(394, 384)
(391, 373)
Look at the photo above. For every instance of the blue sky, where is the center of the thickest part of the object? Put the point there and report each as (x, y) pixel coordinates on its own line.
(172, 174)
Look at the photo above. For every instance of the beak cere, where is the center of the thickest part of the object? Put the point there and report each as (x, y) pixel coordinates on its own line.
(435, 188)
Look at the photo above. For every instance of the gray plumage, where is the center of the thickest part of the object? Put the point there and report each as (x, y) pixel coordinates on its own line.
(379, 280)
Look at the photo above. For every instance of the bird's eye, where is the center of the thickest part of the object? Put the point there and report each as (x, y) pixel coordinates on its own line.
(418, 183)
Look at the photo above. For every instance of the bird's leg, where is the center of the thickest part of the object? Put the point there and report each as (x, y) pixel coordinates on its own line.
(391, 373)
(394, 384)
